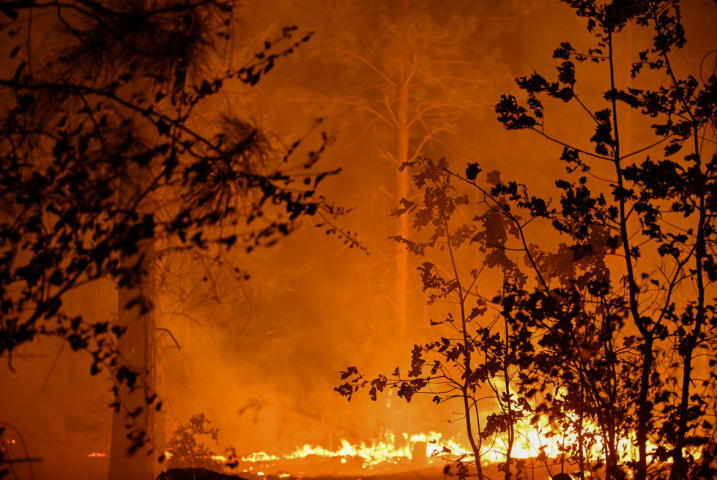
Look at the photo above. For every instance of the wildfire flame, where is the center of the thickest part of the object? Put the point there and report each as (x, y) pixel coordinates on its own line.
(260, 457)
(531, 441)
(386, 450)
(218, 458)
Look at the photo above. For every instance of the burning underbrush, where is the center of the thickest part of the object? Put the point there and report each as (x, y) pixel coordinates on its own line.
(536, 453)
(429, 456)
(391, 454)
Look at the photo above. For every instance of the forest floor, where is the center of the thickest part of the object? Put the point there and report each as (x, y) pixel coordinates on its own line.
(444, 472)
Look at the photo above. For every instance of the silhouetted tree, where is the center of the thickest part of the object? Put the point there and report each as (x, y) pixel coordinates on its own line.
(408, 83)
(643, 387)
(99, 123)
(469, 357)
(186, 452)
(603, 346)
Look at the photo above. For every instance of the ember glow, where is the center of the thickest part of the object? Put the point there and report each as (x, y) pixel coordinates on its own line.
(392, 449)
(168, 455)
(383, 451)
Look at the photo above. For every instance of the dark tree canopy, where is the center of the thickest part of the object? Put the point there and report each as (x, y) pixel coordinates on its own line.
(605, 339)
(110, 140)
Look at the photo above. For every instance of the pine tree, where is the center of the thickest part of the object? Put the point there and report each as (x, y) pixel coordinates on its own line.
(100, 121)
(406, 85)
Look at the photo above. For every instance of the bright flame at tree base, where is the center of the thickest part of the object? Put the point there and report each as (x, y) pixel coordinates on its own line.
(388, 451)
(391, 452)
(409, 452)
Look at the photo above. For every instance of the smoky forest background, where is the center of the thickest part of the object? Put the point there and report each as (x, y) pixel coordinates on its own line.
(488, 225)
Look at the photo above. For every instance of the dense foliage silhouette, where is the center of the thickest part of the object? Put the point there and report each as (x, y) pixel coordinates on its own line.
(111, 141)
(603, 339)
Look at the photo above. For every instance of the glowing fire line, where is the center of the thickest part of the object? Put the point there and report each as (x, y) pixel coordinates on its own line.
(530, 441)
(386, 451)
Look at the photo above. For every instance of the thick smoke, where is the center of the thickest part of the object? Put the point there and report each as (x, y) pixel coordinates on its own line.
(262, 357)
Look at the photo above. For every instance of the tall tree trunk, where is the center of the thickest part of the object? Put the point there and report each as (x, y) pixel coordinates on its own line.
(581, 435)
(644, 410)
(644, 407)
(134, 422)
(402, 143)
(680, 467)
(509, 410)
(159, 440)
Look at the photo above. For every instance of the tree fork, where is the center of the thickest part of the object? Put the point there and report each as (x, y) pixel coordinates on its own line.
(401, 191)
(464, 387)
(680, 468)
(644, 408)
